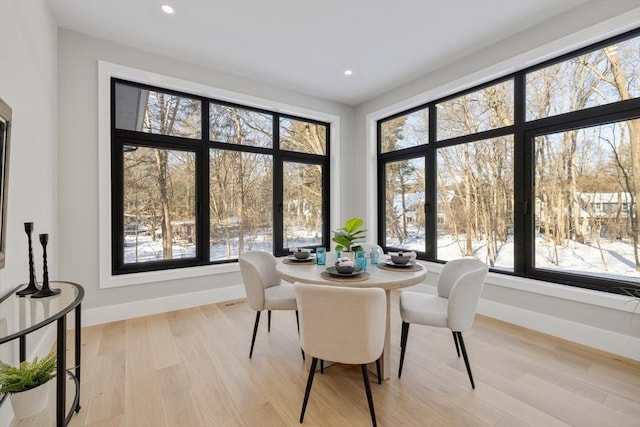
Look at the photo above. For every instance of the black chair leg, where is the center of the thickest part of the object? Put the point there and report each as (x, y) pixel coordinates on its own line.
(312, 371)
(322, 366)
(255, 330)
(455, 340)
(298, 324)
(466, 358)
(367, 387)
(268, 320)
(403, 344)
(378, 371)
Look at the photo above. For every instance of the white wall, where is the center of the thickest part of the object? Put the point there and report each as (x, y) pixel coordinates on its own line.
(78, 180)
(600, 320)
(28, 80)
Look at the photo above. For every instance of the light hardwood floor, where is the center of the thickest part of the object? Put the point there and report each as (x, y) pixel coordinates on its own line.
(191, 368)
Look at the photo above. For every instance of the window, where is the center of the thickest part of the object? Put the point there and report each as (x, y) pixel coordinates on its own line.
(582, 186)
(536, 174)
(475, 187)
(408, 130)
(485, 109)
(404, 204)
(188, 191)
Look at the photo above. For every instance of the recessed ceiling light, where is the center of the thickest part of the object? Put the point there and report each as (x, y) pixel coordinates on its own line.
(348, 72)
(167, 9)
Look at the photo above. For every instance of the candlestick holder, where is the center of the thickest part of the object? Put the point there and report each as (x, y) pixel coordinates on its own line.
(32, 287)
(45, 291)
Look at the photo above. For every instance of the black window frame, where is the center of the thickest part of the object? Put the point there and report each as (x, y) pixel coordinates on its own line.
(119, 138)
(523, 132)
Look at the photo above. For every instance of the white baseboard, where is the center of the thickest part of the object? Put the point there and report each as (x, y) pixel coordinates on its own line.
(113, 313)
(602, 339)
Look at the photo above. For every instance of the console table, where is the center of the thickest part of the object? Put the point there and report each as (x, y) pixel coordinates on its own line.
(27, 315)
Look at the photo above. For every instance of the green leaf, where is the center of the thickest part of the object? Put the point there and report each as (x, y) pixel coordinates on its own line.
(28, 375)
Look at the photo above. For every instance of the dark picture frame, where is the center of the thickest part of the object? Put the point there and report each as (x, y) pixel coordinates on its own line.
(5, 139)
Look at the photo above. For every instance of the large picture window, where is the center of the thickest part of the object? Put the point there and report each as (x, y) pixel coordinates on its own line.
(536, 174)
(188, 191)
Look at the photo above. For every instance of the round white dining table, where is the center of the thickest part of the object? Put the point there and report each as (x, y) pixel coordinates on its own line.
(387, 279)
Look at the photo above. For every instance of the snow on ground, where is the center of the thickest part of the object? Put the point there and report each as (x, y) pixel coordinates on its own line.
(616, 258)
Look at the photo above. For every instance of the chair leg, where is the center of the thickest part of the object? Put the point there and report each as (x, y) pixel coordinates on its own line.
(455, 340)
(298, 324)
(403, 343)
(321, 366)
(378, 371)
(367, 387)
(268, 320)
(312, 371)
(255, 330)
(466, 359)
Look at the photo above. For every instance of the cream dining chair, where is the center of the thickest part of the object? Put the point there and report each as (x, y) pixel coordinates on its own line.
(342, 325)
(459, 287)
(264, 289)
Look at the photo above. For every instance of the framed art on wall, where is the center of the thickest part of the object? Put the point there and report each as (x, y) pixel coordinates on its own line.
(5, 138)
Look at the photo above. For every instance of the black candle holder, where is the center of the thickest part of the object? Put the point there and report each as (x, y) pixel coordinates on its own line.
(45, 291)
(32, 287)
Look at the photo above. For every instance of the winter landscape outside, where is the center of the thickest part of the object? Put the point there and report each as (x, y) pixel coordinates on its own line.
(585, 177)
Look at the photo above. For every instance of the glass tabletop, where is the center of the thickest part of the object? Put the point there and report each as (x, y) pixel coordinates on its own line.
(21, 315)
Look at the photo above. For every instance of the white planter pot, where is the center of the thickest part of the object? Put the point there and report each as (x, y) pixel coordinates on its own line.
(28, 403)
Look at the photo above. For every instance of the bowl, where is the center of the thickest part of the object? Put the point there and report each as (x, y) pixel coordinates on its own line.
(400, 259)
(301, 255)
(345, 269)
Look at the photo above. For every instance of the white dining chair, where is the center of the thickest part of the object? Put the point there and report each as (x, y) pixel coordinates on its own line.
(342, 325)
(264, 289)
(459, 287)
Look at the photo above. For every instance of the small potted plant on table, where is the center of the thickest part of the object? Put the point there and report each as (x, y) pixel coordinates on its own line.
(349, 237)
(27, 385)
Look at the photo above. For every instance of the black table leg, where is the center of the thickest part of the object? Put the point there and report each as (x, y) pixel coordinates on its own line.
(78, 353)
(61, 377)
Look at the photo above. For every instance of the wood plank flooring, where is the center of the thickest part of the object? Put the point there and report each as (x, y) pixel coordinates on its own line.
(191, 368)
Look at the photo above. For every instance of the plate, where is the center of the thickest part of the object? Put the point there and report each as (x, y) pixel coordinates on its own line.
(334, 272)
(393, 264)
(294, 259)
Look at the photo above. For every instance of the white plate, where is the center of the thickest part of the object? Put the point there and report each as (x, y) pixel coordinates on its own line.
(393, 264)
(334, 272)
(293, 258)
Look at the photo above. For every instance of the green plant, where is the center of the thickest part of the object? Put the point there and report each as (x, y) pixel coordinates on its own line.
(347, 236)
(28, 375)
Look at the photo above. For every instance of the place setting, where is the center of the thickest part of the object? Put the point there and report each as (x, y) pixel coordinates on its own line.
(345, 270)
(400, 261)
(300, 256)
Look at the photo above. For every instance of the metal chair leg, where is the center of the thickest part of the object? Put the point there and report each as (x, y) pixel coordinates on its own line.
(455, 340)
(312, 371)
(298, 324)
(466, 359)
(378, 370)
(268, 320)
(321, 366)
(403, 344)
(255, 330)
(367, 387)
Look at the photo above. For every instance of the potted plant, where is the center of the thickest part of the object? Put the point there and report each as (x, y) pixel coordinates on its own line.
(27, 384)
(348, 237)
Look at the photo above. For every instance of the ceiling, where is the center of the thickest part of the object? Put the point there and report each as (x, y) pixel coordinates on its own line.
(306, 45)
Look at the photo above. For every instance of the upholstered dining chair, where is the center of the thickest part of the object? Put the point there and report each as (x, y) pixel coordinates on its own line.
(342, 325)
(264, 289)
(459, 287)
